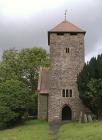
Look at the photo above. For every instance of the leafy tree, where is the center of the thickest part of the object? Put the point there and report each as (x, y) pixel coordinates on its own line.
(30, 62)
(23, 65)
(90, 85)
(9, 66)
(15, 99)
(18, 83)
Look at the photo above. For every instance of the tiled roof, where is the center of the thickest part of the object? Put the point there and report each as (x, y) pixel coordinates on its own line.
(43, 82)
(66, 26)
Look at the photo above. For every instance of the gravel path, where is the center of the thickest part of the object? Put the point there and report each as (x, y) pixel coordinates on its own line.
(53, 130)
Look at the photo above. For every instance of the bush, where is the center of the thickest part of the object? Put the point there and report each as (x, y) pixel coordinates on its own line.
(33, 105)
(7, 117)
(15, 101)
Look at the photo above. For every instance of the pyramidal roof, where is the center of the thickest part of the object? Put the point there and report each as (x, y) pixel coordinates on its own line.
(66, 26)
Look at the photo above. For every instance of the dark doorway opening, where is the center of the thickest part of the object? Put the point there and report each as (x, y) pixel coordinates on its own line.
(66, 113)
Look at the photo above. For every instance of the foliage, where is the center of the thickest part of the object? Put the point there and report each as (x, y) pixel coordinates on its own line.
(95, 96)
(9, 66)
(33, 105)
(7, 117)
(15, 99)
(90, 85)
(30, 62)
(18, 83)
(23, 65)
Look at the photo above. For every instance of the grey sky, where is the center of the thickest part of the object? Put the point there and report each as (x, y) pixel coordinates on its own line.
(25, 24)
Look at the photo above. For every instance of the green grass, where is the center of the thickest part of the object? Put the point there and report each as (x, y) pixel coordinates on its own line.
(31, 130)
(38, 130)
(76, 131)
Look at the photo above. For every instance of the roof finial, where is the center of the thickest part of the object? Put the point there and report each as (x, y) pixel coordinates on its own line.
(65, 14)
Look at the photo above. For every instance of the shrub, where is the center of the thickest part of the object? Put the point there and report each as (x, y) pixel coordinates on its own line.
(15, 100)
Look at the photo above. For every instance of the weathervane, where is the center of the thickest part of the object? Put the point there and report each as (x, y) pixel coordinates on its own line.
(65, 14)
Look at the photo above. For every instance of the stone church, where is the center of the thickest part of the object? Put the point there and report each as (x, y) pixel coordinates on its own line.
(58, 96)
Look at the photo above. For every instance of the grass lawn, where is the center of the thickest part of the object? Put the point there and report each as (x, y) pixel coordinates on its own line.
(76, 131)
(31, 130)
(39, 130)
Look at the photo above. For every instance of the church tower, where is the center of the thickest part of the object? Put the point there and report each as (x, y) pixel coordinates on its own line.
(58, 97)
(66, 43)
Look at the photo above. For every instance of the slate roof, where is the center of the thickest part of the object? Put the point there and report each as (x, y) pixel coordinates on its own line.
(43, 82)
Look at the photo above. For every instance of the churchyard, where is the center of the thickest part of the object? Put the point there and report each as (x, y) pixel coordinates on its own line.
(39, 130)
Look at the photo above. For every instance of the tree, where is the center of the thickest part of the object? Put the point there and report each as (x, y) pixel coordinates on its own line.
(18, 83)
(99, 65)
(15, 100)
(95, 96)
(23, 65)
(9, 66)
(30, 62)
(90, 85)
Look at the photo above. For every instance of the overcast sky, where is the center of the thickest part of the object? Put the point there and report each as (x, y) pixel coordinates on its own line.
(24, 23)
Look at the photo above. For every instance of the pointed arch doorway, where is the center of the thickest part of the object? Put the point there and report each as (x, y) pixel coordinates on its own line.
(66, 113)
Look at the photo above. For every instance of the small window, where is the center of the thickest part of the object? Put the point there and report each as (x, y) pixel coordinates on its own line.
(66, 92)
(67, 50)
(73, 33)
(60, 34)
(70, 92)
(63, 93)
(81, 43)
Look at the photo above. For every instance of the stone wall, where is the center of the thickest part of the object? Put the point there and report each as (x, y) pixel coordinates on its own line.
(42, 107)
(64, 68)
